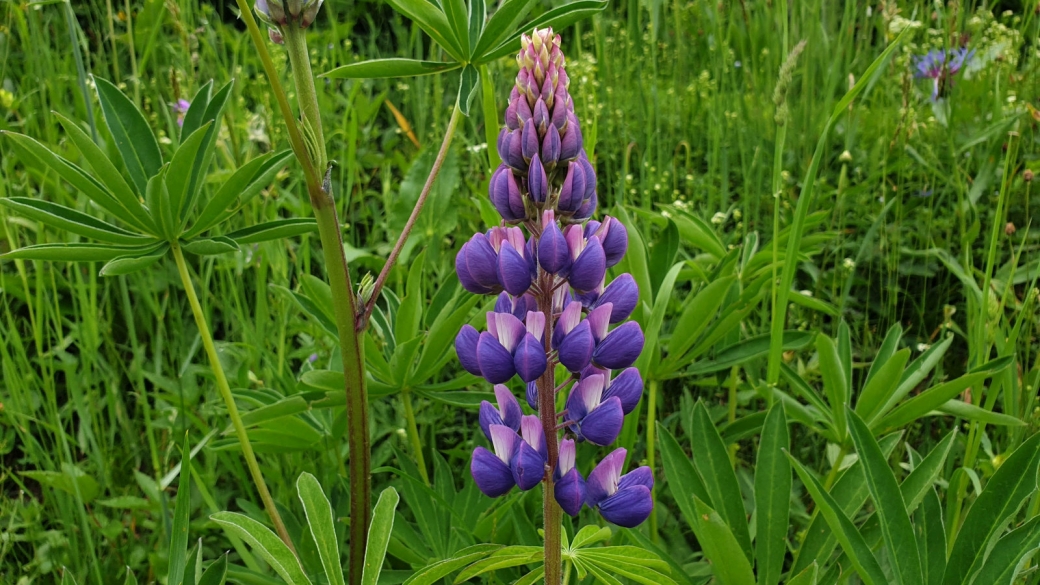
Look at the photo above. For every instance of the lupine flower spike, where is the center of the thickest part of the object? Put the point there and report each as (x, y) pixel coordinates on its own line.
(553, 279)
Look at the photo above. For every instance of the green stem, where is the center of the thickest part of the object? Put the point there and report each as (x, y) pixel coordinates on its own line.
(306, 95)
(229, 400)
(651, 453)
(833, 475)
(413, 434)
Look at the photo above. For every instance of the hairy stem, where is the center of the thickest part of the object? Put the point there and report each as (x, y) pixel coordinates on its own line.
(547, 412)
(229, 400)
(456, 115)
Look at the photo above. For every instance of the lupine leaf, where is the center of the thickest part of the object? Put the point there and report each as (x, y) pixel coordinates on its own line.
(965, 410)
(458, 19)
(433, 22)
(772, 496)
(274, 230)
(680, 473)
(806, 577)
(652, 328)
(559, 18)
(1013, 482)
(322, 525)
(130, 578)
(698, 311)
(883, 383)
(476, 15)
(888, 348)
(210, 246)
(931, 538)
(73, 221)
(134, 262)
(72, 252)
(915, 373)
(108, 173)
(729, 561)
(848, 535)
(131, 133)
(178, 178)
(1002, 564)
(896, 529)
(194, 116)
(437, 570)
(216, 574)
(500, 25)
(158, 198)
(834, 382)
(467, 88)
(212, 116)
(266, 543)
(379, 535)
(243, 185)
(394, 67)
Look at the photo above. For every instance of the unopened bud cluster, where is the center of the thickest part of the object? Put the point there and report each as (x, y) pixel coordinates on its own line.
(279, 13)
(554, 306)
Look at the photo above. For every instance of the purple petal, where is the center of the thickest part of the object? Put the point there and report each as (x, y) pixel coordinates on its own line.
(513, 271)
(586, 210)
(529, 145)
(568, 320)
(532, 396)
(523, 110)
(536, 324)
(589, 268)
(565, 459)
(512, 121)
(508, 407)
(603, 425)
(590, 175)
(615, 240)
(551, 146)
(493, 477)
(623, 295)
(508, 329)
(540, 115)
(505, 303)
(628, 387)
(570, 492)
(621, 347)
(496, 363)
(572, 193)
(529, 359)
(487, 416)
(577, 347)
(603, 481)
(533, 434)
(561, 108)
(571, 141)
(477, 266)
(528, 467)
(599, 319)
(639, 476)
(627, 508)
(514, 157)
(466, 348)
(553, 254)
(537, 181)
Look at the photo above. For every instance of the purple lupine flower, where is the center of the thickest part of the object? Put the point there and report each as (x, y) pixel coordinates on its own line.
(508, 412)
(940, 66)
(622, 499)
(594, 417)
(279, 12)
(181, 107)
(555, 280)
(569, 488)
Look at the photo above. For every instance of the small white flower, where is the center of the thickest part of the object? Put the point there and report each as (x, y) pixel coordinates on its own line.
(665, 214)
(718, 218)
(848, 263)
(845, 157)
(922, 347)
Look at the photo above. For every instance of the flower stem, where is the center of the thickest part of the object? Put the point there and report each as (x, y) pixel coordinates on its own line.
(651, 418)
(456, 115)
(229, 400)
(547, 412)
(306, 95)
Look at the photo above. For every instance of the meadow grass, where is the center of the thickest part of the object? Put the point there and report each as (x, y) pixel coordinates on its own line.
(927, 224)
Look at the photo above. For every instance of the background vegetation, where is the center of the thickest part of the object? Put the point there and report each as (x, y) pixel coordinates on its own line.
(920, 220)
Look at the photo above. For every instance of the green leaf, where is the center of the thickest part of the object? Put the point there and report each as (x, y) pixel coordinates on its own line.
(134, 262)
(458, 19)
(845, 531)
(729, 561)
(210, 246)
(681, 475)
(178, 178)
(216, 574)
(882, 384)
(181, 516)
(212, 116)
(884, 353)
(634, 563)
(265, 542)
(379, 535)
(1013, 482)
(916, 372)
(896, 529)
(834, 382)
(322, 526)
(772, 496)
(274, 230)
(476, 15)
(711, 459)
(962, 409)
(746, 350)
(70, 220)
(66, 577)
(243, 185)
(72, 252)
(510, 556)
(503, 22)
(1002, 564)
(130, 578)
(409, 315)
(439, 342)
(652, 329)
(31, 150)
(558, 18)
(384, 68)
(69, 480)
(130, 131)
(437, 570)
(698, 311)
(589, 535)
(109, 174)
(467, 87)
(806, 577)
(158, 197)
(194, 116)
(931, 538)
(433, 22)
(936, 396)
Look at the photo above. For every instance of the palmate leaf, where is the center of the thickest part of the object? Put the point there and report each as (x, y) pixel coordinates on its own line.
(194, 116)
(266, 543)
(211, 116)
(501, 24)
(134, 262)
(210, 246)
(178, 178)
(437, 570)
(634, 563)
(559, 18)
(476, 15)
(70, 220)
(131, 133)
(73, 252)
(242, 186)
(433, 22)
(274, 230)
